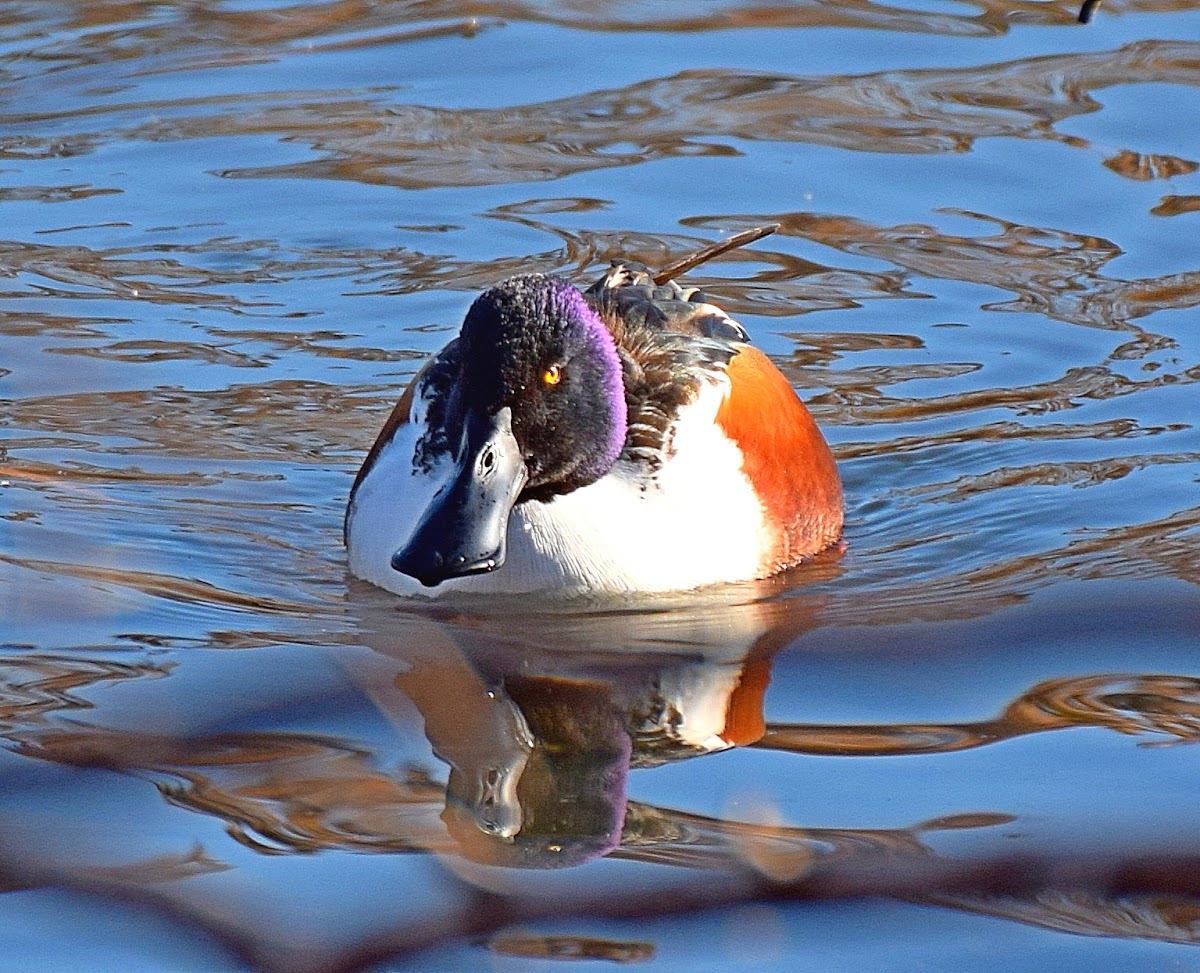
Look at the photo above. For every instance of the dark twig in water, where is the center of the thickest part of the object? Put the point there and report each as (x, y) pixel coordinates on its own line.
(672, 271)
(960, 883)
(1086, 11)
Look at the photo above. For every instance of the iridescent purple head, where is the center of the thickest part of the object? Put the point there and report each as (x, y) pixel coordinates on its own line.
(533, 344)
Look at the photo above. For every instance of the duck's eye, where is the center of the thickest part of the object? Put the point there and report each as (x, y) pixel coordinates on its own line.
(552, 375)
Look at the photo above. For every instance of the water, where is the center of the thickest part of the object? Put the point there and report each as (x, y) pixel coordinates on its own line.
(230, 232)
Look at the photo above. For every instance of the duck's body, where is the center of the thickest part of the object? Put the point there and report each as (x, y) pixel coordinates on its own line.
(637, 444)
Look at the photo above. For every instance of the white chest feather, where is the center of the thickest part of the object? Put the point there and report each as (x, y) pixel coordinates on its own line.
(697, 522)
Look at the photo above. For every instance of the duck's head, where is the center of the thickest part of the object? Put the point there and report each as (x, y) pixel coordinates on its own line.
(536, 409)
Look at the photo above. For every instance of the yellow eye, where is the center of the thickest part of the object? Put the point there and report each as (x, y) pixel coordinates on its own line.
(552, 375)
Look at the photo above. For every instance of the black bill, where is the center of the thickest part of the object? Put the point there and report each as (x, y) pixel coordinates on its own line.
(465, 528)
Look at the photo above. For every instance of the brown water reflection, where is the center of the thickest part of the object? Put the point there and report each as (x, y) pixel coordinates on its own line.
(232, 36)
(1132, 704)
(1050, 271)
(374, 140)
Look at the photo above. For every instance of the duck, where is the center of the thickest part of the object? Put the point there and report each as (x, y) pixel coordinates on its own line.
(620, 439)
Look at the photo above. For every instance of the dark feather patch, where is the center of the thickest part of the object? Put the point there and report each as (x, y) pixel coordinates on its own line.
(670, 345)
(436, 388)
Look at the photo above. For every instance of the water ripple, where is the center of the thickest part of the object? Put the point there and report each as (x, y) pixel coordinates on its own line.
(376, 140)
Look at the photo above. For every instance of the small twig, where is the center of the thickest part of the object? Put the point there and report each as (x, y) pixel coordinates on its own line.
(672, 271)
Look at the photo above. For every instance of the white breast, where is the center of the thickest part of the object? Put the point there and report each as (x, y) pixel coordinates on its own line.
(697, 522)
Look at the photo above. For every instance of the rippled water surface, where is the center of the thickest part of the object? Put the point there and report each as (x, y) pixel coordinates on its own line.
(230, 232)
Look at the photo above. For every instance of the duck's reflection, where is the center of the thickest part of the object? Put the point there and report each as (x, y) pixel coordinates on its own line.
(541, 718)
(541, 725)
(537, 764)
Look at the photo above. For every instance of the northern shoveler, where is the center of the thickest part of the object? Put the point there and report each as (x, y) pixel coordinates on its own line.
(624, 438)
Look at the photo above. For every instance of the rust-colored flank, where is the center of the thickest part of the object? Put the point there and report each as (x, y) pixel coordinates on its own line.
(785, 458)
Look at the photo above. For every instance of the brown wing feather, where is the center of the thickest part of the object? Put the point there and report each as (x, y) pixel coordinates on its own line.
(669, 345)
